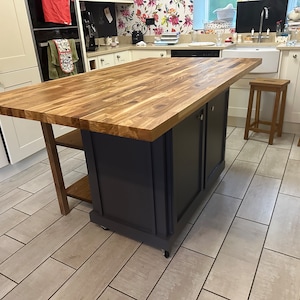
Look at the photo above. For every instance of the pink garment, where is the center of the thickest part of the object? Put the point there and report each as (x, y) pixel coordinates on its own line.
(57, 11)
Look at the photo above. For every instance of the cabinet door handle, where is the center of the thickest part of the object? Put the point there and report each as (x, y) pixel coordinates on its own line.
(200, 117)
(161, 55)
(295, 56)
(102, 60)
(118, 56)
(212, 108)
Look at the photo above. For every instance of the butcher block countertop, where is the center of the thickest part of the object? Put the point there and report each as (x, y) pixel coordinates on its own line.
(139, 100)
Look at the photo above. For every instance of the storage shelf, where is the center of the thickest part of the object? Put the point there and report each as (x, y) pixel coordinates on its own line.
(80, 190)
(71, 140)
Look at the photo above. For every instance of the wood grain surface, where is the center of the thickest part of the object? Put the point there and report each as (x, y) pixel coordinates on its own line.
(140, 100)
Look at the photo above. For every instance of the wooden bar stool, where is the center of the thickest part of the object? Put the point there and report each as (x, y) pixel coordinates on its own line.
(279, 87)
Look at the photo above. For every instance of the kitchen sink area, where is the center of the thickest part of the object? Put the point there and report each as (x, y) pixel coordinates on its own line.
(270, 56)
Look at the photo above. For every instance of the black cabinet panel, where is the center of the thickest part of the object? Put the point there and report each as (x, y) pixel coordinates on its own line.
(216, 122)
(187, 161)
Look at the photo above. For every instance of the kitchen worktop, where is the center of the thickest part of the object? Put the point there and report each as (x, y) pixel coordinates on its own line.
(186, 46)
(128, 100)
(150, 46)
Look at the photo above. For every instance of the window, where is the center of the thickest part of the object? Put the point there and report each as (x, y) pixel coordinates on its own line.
(204, 11)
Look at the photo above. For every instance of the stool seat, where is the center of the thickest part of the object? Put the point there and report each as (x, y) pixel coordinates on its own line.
(279, 87)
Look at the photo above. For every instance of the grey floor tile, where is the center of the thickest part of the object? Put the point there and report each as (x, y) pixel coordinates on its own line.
(184, 277)
(12, 198)
(208, 233)
(229, 130)
(141, 273)
(23, 262)
(41, 181)
(253, 151)
(283, 142)
(6, 285)
(295, 151)
(236, 139)
(230, 156)
(273, 163)
(35, 224)
(8, 246)
(291, 179)
(284, 231)
(259, 201)
(22, 177)
(206, 295)
(100, 269)
(38, 200)
(82, 245)
(277, 278)
(42, 283)
(10, 219)
(235, 183)
(111, 294)
(234, 269)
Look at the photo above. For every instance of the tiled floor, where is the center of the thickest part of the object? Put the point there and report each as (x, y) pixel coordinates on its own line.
(243, 243)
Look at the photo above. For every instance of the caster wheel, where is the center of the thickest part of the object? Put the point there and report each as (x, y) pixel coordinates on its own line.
(166, 253)
(104, 228)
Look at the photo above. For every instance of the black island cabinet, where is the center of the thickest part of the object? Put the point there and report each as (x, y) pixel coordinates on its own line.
(148, 190)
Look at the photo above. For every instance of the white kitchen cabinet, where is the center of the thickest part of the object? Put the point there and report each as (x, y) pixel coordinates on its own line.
(122, 57)
(109, 60)
(239, 96)
(105, 61)
(290, 69)
(141, 53)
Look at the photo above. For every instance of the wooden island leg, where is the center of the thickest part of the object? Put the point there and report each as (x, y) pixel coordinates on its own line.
(55, 168)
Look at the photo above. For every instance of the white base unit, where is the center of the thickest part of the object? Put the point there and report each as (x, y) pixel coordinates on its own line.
(108, 60)
(239, 97)
(290, 69)
(141, 53)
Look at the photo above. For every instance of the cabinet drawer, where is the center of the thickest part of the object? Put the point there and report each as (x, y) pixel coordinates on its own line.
(122, 57)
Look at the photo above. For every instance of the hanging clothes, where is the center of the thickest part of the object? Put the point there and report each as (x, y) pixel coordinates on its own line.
(62, 58)
(57, 11)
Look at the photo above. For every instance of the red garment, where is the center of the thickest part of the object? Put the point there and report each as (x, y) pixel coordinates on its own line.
(57, 11)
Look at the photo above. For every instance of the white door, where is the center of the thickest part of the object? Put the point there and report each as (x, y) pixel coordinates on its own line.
(16, 50)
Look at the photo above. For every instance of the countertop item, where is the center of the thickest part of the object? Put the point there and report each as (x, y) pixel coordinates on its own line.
(139, 100)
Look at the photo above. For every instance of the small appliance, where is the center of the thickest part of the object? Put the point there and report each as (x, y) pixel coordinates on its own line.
(137, 33)
(89, 30)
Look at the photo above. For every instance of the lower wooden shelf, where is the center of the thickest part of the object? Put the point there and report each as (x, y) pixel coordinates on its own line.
(80, 190)
(71, 140)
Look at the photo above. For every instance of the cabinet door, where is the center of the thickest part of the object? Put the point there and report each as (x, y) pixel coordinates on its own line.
(187, 139)
(290, 69)
(17, 50)
(105, 61)
(216, 122)
(122, 57)
(140, 54)
(22, 137)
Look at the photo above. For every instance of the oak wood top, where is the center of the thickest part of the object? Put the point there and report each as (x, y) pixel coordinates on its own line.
(140, 100)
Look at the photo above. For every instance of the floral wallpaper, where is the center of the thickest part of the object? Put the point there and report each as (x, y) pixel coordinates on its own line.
(169, 16)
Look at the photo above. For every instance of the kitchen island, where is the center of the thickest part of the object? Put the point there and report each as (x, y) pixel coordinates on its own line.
(153, 133)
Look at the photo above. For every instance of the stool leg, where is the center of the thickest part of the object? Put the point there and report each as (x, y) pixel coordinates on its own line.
(249, 111)
(257, 108)
(281, 114)
(274, 118)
